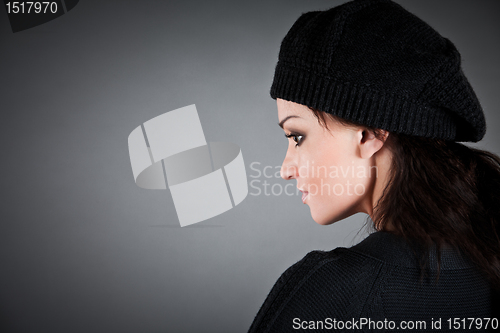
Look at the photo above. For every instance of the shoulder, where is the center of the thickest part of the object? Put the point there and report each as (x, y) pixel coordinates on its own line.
(319, 285)
(377, 248)
(321, 267)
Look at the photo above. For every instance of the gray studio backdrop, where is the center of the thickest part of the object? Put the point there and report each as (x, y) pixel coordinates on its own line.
(82, 247)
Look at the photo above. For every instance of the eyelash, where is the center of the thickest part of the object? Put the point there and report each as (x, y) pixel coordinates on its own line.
(295, 137)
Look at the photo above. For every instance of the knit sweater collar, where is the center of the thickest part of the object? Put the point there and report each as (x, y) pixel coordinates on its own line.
(394, 250)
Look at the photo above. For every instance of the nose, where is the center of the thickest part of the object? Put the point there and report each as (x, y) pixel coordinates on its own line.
(288, 168)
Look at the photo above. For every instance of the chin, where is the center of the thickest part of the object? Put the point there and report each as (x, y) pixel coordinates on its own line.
(323, 219)
(323, 222)
(326, 219)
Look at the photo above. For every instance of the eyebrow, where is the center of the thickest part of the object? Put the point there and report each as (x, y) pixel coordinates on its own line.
(286, 118)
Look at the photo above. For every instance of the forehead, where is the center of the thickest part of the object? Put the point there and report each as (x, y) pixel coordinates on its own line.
(287, 108)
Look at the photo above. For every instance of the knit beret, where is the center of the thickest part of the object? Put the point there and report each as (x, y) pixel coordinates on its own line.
(374, 63)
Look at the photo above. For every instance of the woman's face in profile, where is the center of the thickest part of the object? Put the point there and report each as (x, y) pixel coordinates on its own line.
(335, 180)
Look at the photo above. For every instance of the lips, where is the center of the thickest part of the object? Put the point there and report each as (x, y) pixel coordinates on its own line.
(305, 194)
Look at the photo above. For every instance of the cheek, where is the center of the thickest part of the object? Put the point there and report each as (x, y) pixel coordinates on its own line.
(337, 184)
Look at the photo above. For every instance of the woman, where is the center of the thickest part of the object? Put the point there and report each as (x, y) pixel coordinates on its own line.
(374, 103)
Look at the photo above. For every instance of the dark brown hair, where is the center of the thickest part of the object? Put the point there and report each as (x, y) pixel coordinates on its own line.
(441, 193)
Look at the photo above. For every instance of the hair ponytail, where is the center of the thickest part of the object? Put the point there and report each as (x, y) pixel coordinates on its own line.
(443, 192)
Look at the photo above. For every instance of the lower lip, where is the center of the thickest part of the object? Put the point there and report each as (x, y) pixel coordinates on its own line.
(304, 196)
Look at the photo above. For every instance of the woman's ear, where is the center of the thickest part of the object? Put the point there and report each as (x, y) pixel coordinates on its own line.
(368, 143)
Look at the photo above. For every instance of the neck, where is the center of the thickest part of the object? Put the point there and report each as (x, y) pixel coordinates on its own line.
(382, 162)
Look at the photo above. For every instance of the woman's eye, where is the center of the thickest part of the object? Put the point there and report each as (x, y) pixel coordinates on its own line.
(295, 137)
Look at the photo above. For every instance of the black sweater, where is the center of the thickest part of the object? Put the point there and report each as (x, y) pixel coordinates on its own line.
(376, 285)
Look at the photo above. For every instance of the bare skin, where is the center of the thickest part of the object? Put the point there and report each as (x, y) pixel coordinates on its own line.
(340, 170)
